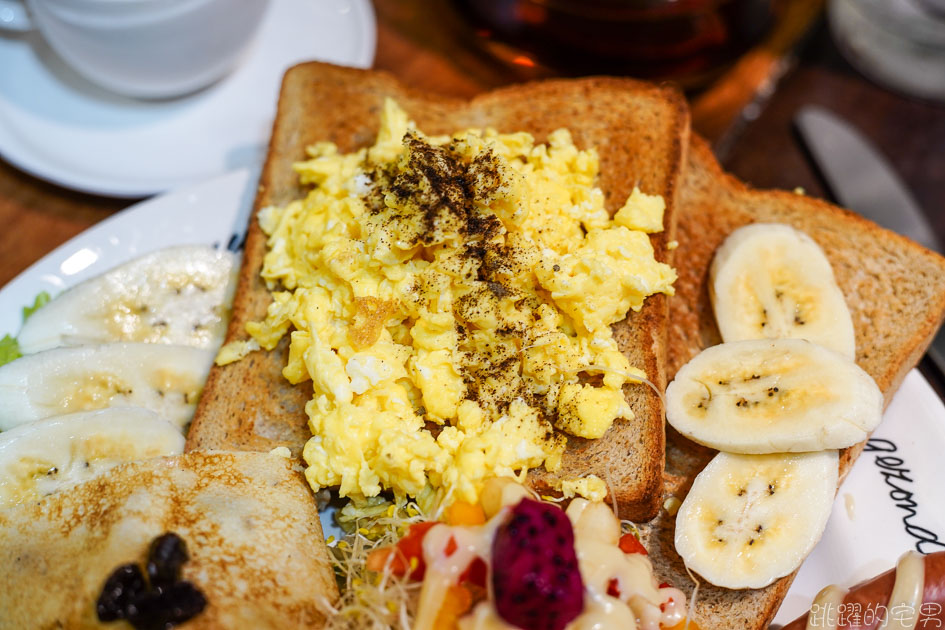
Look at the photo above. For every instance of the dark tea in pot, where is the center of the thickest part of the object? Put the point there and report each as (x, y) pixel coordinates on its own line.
(685, 40)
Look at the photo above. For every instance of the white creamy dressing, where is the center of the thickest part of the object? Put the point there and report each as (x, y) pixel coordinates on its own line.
(602, 611)
(850, 504)
(443, 571)
(827, 600)
(907, 593)
(484, 616)
(640, 598)
(642, 604)
(904, 605)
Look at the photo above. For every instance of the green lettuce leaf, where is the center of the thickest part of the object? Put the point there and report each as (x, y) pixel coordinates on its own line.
(9, 349)
(38, 303)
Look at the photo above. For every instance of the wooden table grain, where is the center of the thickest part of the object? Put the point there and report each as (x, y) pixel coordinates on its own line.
(421, 47)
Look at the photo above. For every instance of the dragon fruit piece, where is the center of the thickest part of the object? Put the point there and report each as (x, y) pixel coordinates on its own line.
(536, 581)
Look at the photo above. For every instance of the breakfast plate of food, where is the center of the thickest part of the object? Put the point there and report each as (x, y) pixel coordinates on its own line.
(435, 295)
(57, 126)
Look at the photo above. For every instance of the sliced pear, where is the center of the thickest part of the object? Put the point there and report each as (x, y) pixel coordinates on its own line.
(163, 378)
(40, 457)
(179, 295)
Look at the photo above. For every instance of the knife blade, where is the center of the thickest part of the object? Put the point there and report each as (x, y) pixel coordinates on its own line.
(861, 179)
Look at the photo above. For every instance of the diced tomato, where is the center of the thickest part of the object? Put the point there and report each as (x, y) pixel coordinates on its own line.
(630, 544)
(663, 605)
(409, 552)
(407, 549)
(475, 573)
(377, 558)
(613, 588)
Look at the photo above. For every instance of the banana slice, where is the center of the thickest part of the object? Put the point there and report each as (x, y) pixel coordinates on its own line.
(40, 457)
(751, 519)
(770, 280)
(773, 396)
(163, 378)
(179, 295)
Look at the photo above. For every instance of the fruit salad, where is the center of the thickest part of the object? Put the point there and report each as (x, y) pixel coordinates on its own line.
(511, 561)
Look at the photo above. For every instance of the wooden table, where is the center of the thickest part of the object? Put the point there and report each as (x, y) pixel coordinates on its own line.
(413, 45)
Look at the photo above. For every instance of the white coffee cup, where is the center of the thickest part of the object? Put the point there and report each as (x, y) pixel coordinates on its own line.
(142, 48)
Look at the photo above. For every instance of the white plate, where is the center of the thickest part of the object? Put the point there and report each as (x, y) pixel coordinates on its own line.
(59, 127)
(872, 523)
(866, 533)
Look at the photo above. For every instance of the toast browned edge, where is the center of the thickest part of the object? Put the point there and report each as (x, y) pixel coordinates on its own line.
(641, 133)
(896, 293)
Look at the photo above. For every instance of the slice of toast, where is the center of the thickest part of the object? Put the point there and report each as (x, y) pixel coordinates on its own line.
(641, 134)
(896, 293)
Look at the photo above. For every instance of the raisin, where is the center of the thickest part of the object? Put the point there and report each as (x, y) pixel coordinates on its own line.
(167, 555)
(165, 608)
(160, 605)
(122, 587)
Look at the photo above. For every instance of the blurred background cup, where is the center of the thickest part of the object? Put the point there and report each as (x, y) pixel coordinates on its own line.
(687, 41)
(142, 48)
(899, 43)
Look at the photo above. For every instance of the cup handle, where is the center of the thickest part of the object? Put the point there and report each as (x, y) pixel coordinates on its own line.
(14, 16)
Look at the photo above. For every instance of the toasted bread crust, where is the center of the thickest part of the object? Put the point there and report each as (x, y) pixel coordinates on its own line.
(641, 133)
(896, 293)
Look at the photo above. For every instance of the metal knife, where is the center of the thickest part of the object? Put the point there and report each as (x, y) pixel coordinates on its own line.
(862, 180)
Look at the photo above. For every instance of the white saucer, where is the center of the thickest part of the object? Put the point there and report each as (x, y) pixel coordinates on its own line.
(59, 127)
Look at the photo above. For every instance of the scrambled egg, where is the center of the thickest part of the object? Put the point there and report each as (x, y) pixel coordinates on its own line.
(591, 487)
(450, 298)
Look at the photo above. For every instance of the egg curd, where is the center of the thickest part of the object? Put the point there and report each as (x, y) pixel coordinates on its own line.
(450, 298)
